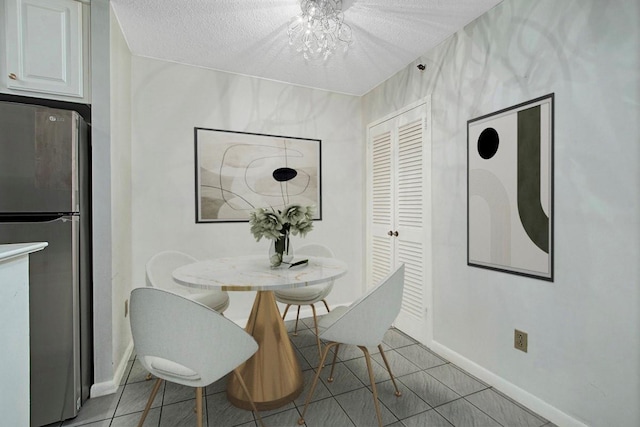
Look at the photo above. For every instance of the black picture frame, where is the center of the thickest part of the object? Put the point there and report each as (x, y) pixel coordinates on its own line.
(510, 189)
(237, 172)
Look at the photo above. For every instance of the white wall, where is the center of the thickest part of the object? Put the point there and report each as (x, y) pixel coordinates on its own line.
(170, 99)
(120, 62)
(101, 199)
(111, 193)
(583, 364)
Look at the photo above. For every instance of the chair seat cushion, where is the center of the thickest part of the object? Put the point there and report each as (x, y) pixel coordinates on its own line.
(304, 294)
(171, 369)
(218, 301)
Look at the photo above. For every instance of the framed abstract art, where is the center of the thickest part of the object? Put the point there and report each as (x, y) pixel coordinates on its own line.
(237, 172)
(510, 189)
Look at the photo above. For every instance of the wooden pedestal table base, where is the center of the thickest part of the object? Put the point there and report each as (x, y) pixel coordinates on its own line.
(272, 375)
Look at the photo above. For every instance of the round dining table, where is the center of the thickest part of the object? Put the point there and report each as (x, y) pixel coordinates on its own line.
(273, 375)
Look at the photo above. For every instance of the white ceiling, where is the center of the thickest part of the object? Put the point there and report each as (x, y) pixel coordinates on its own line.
(249, 37)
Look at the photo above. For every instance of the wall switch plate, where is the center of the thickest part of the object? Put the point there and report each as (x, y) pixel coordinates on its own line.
(520, 340)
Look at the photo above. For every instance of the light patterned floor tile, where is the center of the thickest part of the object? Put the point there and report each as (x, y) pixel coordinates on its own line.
(290, 325)
(343, 379)
(289, 406)
(326, 412)
(308, 321)
(96, 409)
(310, 356)
(400, 365)
(456, 380)
(126, 373)
(424, 378)
(348, 352)
(222, 413)
(430, 418)
(428, 388)
(359, 368)
(421, 357)
(287, 418)
(321, 391)
(182, 414)
(404, 406)
(395, 339)
(174, 393)
(504, 410)
(134, 397)
(304, 363)
(131, 420)
(360, 408)
(305, 338)
(462, 413)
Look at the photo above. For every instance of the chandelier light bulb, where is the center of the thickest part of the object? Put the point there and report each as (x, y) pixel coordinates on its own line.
(319, 29)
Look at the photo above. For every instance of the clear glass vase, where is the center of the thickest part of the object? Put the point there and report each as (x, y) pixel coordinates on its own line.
(280, 251)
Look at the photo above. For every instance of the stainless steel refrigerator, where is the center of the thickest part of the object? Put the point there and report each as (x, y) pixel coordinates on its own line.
(45, 196)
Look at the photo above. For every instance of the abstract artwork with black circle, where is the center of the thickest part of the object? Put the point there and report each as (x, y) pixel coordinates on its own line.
(237, 172)
(510, 189)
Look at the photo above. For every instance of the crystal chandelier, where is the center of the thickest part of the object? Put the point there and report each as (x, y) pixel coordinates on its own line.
(319, 29)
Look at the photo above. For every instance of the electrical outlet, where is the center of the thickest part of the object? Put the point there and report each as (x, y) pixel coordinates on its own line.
(126, 308)
(520, 340)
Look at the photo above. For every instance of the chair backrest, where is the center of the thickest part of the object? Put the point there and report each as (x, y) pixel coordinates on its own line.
(315, 249)
(183, 341)
(159, 270)
(367, 319)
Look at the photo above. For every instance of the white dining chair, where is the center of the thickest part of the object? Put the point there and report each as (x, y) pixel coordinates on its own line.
(363, 324)
(307, 295)
(185, 342)
(159, 270)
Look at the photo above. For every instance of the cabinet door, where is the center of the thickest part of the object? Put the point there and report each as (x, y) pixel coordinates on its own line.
(413, 221)
(44, 46)
(399, 215)
(381, 201)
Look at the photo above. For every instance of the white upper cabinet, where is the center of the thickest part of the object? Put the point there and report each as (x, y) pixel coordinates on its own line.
(44, 46)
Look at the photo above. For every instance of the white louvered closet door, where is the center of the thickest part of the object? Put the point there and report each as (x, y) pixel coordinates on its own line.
(400, 212)
(381, 203)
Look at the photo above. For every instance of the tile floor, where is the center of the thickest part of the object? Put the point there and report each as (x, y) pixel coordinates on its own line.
(434, 393)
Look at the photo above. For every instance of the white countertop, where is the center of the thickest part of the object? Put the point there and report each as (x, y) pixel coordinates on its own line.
(16, 249)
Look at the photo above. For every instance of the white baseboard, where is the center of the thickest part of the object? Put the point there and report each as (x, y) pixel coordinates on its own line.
(521, 396)
(111, 386)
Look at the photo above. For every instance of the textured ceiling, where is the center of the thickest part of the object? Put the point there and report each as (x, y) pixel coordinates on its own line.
(249, 37)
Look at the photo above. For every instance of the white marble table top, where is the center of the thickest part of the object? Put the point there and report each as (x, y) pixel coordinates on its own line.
(253, 273)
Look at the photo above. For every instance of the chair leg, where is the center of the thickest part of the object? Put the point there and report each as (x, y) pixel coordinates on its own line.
(154, 391)
(244, 388)
(285, 311)
(295, 331)
(315, 381)
(333, 364)
(386, 363)
(315, 324)
(367, 358)
(326, 305)
(199, 406)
